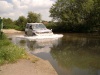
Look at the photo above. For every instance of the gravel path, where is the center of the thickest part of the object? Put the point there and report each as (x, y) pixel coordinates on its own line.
(27, 67)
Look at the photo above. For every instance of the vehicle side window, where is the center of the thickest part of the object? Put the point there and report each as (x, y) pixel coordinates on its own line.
(30, 27)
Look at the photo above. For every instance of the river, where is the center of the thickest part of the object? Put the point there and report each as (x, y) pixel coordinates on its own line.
(74, 54)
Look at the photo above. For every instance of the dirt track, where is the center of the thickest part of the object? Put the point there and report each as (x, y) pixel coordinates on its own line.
(26, 67)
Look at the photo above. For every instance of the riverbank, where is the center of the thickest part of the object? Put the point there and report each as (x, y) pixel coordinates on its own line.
(30, 66)
(8, 51)
(27, 67)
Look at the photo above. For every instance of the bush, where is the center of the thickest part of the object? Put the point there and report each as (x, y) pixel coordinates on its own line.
(9, 52)
(63, 27)
(2, 36)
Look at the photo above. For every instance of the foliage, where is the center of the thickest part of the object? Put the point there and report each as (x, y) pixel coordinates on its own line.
(52, 26)
(94, 16)
(0, 24)
(21, 22)
(69, 16)
(33, 17)
(79, 15)
(8, 23)
(9, 52)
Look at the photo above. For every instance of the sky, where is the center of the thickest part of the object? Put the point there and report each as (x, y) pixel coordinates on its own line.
(15, 8)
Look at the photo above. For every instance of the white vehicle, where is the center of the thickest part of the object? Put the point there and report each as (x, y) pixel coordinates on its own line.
(37, 29)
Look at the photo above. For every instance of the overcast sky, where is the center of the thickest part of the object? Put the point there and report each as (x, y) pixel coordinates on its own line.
(15, 8)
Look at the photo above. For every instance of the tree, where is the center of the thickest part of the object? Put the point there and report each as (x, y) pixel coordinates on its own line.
(33, 17)
(94, 16)
(73, 11)
(8, 23)
(77, 14)
(21, 22)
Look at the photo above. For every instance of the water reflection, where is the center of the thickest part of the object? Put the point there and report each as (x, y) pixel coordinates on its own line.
(40, 46)
(80, 55)
(70, 55)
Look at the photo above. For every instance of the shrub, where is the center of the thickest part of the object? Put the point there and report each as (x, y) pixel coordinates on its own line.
(9, 52)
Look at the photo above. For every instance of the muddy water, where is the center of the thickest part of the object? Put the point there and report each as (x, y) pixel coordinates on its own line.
(74, 54)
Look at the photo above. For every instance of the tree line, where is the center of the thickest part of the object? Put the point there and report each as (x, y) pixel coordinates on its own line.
(76, 15)
(20, 23)
(68, 16)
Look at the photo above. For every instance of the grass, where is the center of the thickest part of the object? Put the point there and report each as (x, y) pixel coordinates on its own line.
(9, 52)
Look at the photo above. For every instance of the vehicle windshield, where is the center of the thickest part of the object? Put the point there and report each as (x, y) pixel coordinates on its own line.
(38, 26)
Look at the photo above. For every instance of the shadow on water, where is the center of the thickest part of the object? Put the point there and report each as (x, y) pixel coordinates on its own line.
(71, 55)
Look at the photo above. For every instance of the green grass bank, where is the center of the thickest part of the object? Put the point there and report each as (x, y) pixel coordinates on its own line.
(9, 52)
